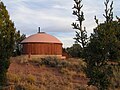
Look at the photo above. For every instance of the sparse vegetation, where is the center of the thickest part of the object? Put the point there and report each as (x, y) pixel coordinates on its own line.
(39, 75)
(51, 74)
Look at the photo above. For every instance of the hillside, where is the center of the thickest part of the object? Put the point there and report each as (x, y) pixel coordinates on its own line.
(46, 74)
(52, 74)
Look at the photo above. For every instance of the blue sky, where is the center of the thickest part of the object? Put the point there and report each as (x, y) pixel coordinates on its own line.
(55, 16)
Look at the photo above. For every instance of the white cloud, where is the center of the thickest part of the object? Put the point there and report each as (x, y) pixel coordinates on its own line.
(59, 7)
(54, 16)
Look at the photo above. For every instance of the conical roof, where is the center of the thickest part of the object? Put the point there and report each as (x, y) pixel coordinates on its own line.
(41, 37)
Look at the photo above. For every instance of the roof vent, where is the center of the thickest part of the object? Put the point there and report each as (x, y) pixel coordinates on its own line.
(38, 29)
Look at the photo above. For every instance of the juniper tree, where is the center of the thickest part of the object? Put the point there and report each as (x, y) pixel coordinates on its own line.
(7, 40)
(81, 34)
(104, 46)
(18, 39)
(74, 50)
(109, 32)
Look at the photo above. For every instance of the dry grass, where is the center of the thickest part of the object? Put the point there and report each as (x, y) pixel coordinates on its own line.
(46, 74)
(115, 80)
(51, 73)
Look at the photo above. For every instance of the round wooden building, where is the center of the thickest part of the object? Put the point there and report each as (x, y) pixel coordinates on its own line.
(41, 44)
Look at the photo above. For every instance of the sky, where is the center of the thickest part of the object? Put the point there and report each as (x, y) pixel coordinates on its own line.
(55, 16)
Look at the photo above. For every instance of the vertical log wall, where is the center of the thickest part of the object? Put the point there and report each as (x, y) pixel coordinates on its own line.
(42, 48)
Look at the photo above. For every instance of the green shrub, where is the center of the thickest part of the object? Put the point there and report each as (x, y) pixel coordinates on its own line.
(64, 64)
(54, 62)
(50, 61)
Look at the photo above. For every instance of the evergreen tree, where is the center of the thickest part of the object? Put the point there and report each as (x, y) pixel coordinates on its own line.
(7, 41)
(81, 34)
(19, 38)
(75, 50)
(104, 46)
(111, 39)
